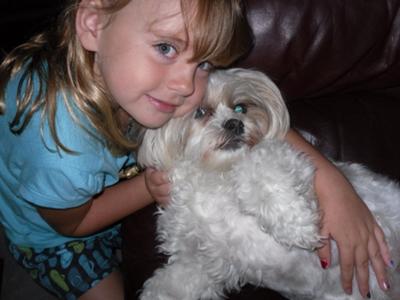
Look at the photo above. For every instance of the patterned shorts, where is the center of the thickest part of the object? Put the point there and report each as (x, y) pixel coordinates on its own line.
(69, 270)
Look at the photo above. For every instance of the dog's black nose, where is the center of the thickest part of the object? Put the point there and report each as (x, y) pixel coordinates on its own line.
(234, 126)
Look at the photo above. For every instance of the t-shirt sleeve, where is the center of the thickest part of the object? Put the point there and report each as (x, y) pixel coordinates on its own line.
(60, 188)
(54, 178)
(50, 176)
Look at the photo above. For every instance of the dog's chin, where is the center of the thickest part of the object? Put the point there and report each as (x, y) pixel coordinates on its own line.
(222, 159)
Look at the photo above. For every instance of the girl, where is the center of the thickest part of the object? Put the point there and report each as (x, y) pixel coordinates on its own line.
(72, 96)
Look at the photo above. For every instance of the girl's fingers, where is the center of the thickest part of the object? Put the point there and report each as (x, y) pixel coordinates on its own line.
(362, 261)
(380, 258)
(324, 252)
(156, 177)
(158, 184)
(383, 246)
(364, 255)
(346, 268)
(378, 265)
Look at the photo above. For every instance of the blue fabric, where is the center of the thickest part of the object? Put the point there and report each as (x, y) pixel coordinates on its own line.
(34, 172)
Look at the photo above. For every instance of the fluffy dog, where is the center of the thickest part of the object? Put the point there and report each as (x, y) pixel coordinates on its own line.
(243, 208)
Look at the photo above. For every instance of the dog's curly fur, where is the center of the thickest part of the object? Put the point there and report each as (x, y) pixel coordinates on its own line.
(243, 208)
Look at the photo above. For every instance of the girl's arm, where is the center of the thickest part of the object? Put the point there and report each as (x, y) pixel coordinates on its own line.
(109, 207)
(348, 221)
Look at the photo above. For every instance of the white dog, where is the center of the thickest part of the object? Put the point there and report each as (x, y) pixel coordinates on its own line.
(243, 208)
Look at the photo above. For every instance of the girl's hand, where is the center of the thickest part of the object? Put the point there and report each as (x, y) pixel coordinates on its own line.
(360, 240)
(348, 221)
(158, 184)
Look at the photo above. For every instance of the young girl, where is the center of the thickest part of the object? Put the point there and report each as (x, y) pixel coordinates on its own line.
(72, 96)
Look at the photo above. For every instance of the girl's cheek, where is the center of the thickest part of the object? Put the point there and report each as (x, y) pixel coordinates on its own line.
(188, 106)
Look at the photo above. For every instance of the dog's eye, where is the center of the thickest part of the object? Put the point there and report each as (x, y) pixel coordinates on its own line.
(240, 108)
(200, 112)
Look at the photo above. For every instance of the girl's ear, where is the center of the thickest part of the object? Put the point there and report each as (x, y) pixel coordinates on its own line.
(88, 24)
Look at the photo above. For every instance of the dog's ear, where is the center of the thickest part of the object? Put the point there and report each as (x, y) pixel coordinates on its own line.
(162, 147)
(270, 97)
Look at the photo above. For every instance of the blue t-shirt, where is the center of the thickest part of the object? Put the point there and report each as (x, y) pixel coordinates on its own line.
(34, 173)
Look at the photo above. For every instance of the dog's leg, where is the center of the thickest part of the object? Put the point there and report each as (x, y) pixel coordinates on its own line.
(291, 224)
(180, 280)
(275, 185)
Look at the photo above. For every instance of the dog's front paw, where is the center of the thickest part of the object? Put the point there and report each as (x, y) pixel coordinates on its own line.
(277, 189)
(304, 236)
(292, 219)
(294, 223)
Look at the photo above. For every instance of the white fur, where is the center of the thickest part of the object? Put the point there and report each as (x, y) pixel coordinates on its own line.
(247, 213)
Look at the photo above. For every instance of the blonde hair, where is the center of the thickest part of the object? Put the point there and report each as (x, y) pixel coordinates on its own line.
(218, 30)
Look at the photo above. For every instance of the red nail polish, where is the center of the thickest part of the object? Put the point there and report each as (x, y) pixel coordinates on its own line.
(324, 263)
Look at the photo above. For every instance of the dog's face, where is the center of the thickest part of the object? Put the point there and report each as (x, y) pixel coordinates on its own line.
(240, 108)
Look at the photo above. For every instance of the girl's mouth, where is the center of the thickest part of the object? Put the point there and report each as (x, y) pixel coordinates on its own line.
(161, 105)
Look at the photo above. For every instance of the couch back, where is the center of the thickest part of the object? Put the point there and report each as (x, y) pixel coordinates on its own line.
(312, 47)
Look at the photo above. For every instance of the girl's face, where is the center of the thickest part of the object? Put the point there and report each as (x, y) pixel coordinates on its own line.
(143, 57)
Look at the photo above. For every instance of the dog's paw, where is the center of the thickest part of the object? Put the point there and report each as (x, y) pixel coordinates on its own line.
(305, 237)
(297, 226)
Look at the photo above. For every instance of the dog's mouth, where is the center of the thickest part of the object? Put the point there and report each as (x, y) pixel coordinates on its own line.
(231, 144)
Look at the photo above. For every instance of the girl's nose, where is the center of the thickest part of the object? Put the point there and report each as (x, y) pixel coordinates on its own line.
(181, 80)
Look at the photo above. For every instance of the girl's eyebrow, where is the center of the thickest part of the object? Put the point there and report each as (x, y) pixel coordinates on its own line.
(178, 36)
(176, 40)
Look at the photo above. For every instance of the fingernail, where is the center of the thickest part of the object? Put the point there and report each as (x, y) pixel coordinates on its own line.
(324, 263)
(386, 285)
(348, 291)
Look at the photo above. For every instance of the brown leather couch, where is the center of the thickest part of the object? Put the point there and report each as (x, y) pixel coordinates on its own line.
(337, 63)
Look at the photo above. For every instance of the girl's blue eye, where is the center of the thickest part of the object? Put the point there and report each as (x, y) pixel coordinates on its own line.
(200, 112)
(206, 66)
(166, 49)
(240, 108)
